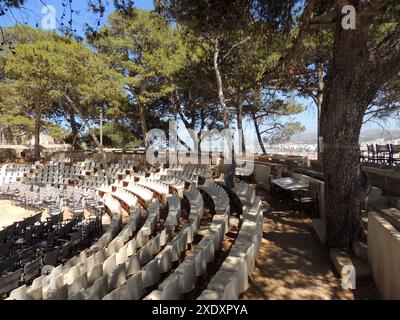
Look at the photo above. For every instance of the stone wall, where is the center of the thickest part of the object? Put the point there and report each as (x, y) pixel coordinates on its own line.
(385, 178)
(111, 157)
(8, 155)
(383, 255)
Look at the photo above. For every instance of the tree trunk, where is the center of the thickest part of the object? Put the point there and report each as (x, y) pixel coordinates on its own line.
(74, 129)
(355, 75)
(38, 112)
(239, 113)
(258, 133)
(225, 114)
(320, 99)
(143, 124)
(92, 134)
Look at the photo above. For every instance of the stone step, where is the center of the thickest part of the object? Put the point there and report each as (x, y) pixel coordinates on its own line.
(395, 201)
(375, 196)
(341, 258)
(360, 249)
(364, 213)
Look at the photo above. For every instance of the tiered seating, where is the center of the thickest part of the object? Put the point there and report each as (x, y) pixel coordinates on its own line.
(193, 170)
(182, 175)
(174, 212)
(144, 194)
(232, 278)
(127, 262)
(245, 193)
(126, 198)
(95, 181)
(159, 188)
(121, 260)
(112, 205)
(13, 172)
(44, 244)
(218, 195)
(68, 278)
(175, 183)
(122, 167)
(183, 279)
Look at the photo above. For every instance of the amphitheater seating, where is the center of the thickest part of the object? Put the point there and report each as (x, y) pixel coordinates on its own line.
(10, 173)
(144, 194)
(174, 211)
(232, 278)
(130, 258)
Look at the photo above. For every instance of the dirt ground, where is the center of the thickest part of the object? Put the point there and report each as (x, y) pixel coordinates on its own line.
(294, 265)
(9, 213)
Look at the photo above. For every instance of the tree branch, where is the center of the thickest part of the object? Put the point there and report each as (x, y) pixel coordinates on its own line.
(233, 47)
(372, 7)
(385, 59)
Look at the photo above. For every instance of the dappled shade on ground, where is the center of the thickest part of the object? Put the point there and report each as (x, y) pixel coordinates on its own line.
(293, 264)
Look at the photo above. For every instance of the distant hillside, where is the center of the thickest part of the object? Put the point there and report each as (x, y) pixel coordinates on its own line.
(367, 135)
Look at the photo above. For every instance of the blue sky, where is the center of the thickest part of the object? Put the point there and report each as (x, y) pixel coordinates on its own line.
(32, 14)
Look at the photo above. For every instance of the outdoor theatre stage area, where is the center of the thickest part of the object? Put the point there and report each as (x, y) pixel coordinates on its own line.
(119, 231)
(10, 213)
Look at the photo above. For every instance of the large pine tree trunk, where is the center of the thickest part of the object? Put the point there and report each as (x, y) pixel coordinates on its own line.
(354, 77)
(229, 181)
(341, 121)
(343, 190)
(38, 112)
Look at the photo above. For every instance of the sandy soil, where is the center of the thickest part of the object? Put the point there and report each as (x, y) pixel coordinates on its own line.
(9, 213)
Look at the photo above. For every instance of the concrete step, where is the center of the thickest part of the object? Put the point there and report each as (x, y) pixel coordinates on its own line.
(364, 213)
(341, 258)
(365, 222)
(395, 201)
(360, 250)
(375, 196)
(364, 234)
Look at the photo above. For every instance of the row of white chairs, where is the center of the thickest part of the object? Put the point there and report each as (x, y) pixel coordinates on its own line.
(245, 193)
(13, 167)
(174, 182)
(140, 270)
(182, 175)
(185, 276)
(232, 278)
(64, 279)
(154, 185)
(143, 193)
(126, 197)
(174, 213)
(193, 169)
(112, 204)
(219, 196)
(196, 207)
